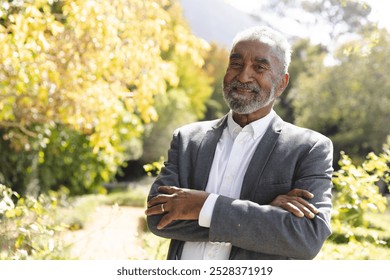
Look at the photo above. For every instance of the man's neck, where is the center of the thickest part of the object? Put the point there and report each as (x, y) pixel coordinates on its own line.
(245, 119)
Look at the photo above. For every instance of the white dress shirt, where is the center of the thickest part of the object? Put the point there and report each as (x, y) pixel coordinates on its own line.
(233, 153)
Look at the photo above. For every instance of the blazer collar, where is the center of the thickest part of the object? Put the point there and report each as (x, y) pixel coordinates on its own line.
(206, 153)
(260, 158)
(256, 128)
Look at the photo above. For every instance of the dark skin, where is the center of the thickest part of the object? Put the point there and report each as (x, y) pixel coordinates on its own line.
(254, 62)
(185, 204)
(250, 62)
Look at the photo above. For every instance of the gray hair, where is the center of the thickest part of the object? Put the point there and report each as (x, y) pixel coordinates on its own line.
(271, 37)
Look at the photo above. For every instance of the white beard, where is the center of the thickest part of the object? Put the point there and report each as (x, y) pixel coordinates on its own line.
(244, 104)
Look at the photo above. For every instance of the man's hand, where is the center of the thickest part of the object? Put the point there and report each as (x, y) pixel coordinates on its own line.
(295, 202)
(176, 204)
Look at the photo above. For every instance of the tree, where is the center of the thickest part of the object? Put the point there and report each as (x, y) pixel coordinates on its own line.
(184, 102)
(78, 84)
(216, 63)
(349, 102)
(181, 105)
(304, 59)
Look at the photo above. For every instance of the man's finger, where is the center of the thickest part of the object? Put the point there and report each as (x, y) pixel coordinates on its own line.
(301, 193)
(165, 220)
(308, 205)
(290, 207)
(156, 210)
(162, 198)
(304, 210)
(167, 189)
(312, 208)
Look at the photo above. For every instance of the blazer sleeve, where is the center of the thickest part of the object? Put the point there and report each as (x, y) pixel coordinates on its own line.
(174, 173)
(272, 230)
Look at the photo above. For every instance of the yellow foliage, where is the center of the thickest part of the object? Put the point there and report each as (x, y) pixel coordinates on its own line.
(90, 67)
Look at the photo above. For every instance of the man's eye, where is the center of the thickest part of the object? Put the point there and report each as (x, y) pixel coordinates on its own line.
(260, 68)
(235, 64)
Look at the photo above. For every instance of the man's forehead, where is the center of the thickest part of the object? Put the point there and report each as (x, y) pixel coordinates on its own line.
(255, 49)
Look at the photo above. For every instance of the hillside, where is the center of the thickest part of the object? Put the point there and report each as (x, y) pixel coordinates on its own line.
(215, 20)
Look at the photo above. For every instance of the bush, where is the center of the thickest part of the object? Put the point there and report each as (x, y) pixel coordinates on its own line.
(65, 158)
(77, 95)
(29, 227)
(356, 195)
(356, 192)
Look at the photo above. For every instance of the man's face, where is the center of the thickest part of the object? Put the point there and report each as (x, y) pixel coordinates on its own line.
(252, 80)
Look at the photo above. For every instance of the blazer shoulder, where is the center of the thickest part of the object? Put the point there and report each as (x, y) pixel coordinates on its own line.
(303, 135)
(200, 127)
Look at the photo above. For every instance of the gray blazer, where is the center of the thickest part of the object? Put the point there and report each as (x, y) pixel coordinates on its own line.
(287, 157)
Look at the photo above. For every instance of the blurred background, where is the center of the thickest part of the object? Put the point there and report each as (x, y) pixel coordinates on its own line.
(91, 91)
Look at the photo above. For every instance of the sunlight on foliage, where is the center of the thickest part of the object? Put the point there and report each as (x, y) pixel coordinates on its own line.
(348, 101)
(356, 191)
(154, 168)
(92, 70)
(356, 196)
(29, 227)
(156, 248)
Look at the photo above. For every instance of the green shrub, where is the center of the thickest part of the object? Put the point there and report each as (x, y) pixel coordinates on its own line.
(356, 195)
(356, 191)
(154, 168)
(60, 156)
(29, 227)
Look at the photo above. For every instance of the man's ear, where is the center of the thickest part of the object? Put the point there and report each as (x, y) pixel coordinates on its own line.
(282, 84)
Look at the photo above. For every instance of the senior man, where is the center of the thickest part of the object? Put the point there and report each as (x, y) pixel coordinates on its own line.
(249, 185)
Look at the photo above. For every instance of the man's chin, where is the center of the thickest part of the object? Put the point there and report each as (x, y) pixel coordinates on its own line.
(243, 110)
(247, 109)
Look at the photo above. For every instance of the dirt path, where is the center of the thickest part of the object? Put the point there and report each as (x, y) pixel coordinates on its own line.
(111, 233)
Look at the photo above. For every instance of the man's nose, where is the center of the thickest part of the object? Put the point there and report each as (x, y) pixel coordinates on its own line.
(246, 74)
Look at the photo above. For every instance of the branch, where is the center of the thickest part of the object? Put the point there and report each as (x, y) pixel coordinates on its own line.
(19, 126)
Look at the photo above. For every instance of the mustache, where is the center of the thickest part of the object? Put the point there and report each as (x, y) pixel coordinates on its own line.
(235, 84)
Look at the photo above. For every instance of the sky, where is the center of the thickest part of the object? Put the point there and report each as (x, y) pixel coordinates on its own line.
(379, 14)
(380, 9)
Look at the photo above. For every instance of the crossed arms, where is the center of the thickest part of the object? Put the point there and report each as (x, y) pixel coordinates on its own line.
(294, 224)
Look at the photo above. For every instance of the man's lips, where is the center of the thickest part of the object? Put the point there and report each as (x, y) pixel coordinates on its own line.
(244, 90)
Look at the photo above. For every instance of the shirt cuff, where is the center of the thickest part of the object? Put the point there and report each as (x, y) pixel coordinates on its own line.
(207, 210)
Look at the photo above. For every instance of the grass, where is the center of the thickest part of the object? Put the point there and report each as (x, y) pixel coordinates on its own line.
(134, 197)
(81, 207)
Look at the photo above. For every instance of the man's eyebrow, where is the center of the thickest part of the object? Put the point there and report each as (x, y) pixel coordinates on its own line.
(235, 56)
(262, 61)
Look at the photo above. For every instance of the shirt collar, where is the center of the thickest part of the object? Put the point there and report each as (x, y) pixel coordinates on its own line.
(256, 128)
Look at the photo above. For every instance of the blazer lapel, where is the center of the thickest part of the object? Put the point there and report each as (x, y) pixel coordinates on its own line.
(260, 158)
(257, 164)
(206, 153)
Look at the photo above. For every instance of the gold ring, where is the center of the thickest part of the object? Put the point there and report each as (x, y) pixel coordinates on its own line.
(162, 208)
